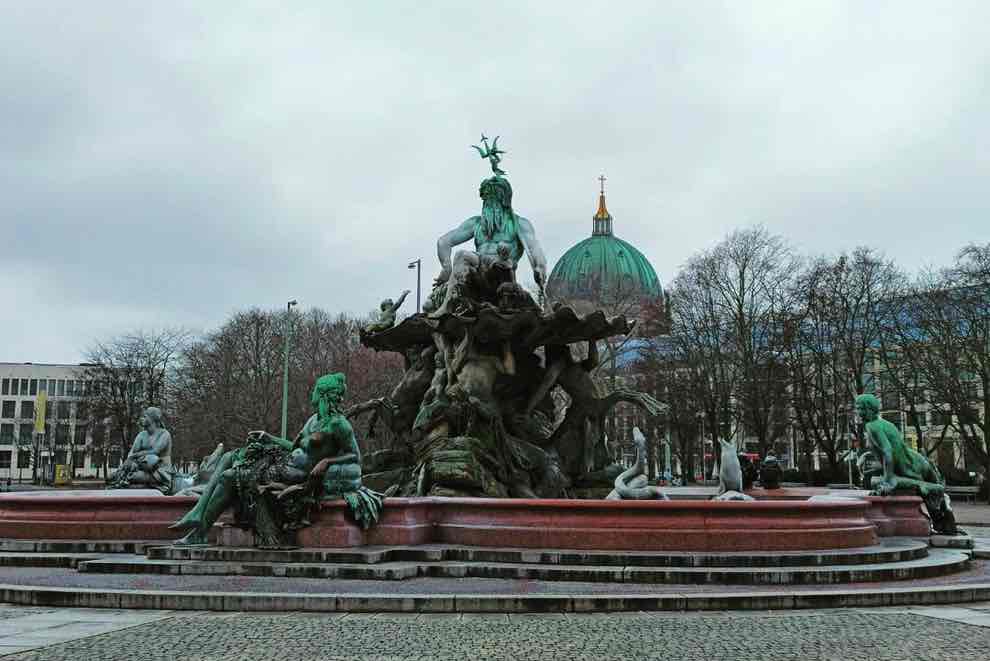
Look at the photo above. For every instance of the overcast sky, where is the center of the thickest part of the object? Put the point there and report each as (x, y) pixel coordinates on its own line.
(171, 163)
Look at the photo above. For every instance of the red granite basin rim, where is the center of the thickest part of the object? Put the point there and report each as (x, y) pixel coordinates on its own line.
(523, 523)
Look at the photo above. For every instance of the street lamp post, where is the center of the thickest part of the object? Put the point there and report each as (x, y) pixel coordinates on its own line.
(704, 463)
(285, 370)
(418, 264)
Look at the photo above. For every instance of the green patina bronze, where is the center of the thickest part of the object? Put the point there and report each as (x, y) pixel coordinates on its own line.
(603, 267)
(493, 153)
(273, 483)
(149, 463)
(386, 315)
(903, 469)
(476, 412)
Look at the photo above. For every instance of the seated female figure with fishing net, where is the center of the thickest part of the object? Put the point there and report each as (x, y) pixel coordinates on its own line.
(273, 483)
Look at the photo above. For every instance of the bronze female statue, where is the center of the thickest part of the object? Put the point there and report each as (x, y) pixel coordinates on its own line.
(273, 483)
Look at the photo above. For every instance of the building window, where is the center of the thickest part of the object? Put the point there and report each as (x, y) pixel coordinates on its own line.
(34, 387)
(61, 387)
(5, 456)
(63, 410)
(62, 433)
(917, 419)
(6, 387)
(61, 457)
(79, 458)
(27, 410)
(24, 387)
(25, 433)
(80, 435)
(7, 434)
(51, 387)
(97, 457)
(24, 458)
(8, 408)
(43, 385)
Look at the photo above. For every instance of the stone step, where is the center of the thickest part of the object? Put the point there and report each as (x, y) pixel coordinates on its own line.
(938, 563)
(429, 600)
(891, 550)
(41, 559)
(73, 546)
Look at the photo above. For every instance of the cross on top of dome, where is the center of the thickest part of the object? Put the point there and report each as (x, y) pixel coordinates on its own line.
(603, 219)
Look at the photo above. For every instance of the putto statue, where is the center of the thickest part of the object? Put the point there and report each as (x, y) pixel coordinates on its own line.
(904, 469)
(477, 412)
(149, 463)
(273, 482)
(386, 318)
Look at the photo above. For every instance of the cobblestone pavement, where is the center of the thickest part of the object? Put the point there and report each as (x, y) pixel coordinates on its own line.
(877, 634)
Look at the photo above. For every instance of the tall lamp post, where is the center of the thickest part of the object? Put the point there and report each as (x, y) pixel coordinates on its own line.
(701, 417)
(285, 370)
(418, 265)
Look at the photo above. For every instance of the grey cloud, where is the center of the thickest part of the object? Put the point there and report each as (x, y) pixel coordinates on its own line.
(169, 164)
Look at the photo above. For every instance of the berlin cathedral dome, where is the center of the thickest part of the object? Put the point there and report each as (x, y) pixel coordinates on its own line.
(604, 270)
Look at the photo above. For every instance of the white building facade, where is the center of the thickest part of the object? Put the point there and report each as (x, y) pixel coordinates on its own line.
(68, 436)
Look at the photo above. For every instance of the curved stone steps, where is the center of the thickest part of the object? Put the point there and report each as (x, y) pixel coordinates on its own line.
(431, 601)
(890, 550)
(938, 563)
(41, 559)
(73, 546)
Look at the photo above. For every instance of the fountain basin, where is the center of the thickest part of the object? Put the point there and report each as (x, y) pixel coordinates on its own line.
(595, 525)
(678, 525)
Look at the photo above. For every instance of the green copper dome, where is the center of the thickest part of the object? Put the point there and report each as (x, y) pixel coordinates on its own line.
(603, 265)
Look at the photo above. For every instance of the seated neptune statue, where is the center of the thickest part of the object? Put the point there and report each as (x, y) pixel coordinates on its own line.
(149, 463)
(272, 483)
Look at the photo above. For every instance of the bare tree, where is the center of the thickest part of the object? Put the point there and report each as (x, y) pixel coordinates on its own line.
(938, 341)
(728, 306)
(124, 375)
(840, 305)
(230, 382)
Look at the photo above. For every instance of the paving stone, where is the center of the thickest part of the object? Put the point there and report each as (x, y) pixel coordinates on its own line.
(819, 635)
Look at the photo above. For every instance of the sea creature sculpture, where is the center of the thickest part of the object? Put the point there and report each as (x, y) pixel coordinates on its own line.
(632, 484)
(730, 476)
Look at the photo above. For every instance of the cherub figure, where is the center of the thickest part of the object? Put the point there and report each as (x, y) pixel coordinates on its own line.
(493, 153)
(386, 318)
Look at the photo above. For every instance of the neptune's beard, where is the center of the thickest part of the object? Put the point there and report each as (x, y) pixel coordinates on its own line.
(493, 217)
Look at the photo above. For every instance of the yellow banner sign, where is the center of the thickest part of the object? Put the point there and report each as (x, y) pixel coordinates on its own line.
(62, 474)
(39, 412)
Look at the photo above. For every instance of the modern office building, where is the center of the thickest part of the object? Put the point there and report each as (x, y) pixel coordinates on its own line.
(69, 431)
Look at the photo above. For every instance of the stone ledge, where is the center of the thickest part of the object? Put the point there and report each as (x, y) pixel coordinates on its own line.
(480, 603)
(942, 563)
(951, 541)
